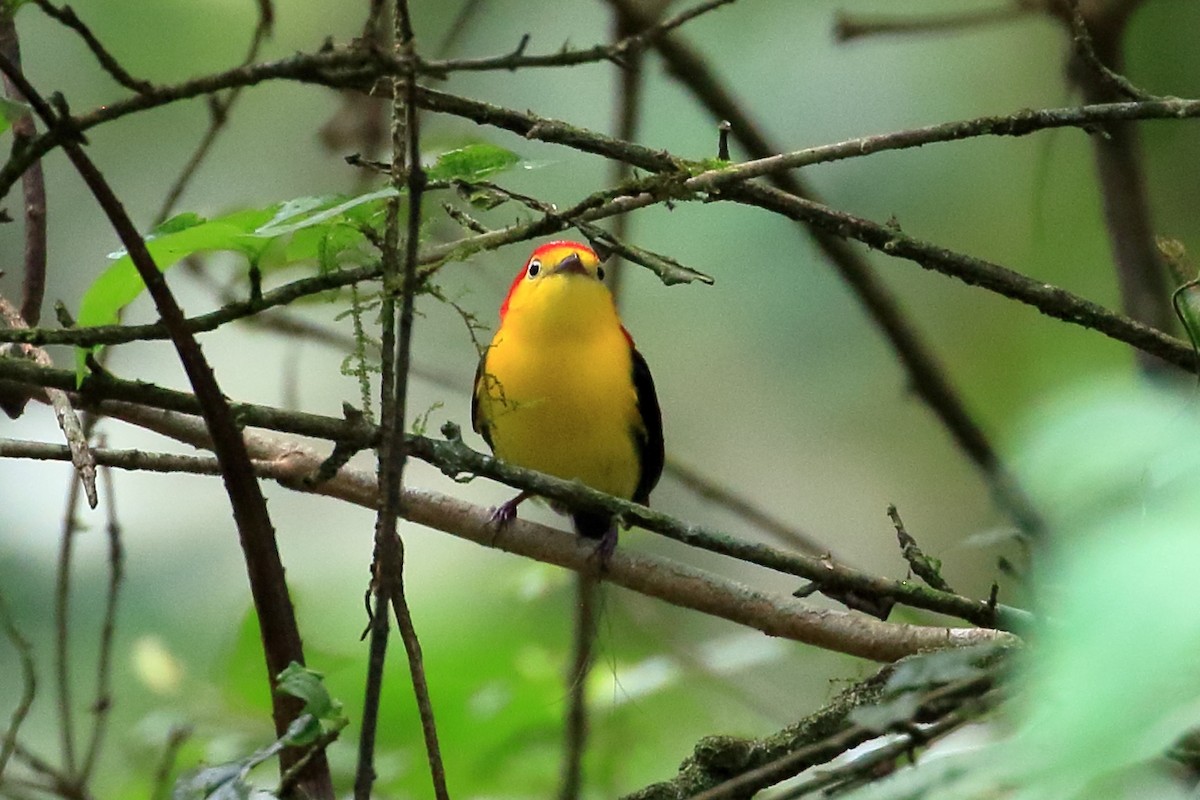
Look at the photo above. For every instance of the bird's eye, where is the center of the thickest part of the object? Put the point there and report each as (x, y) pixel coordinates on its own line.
(600, 273)
(535, 267)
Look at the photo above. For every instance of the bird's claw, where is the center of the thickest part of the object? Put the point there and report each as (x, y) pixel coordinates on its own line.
(504, 514)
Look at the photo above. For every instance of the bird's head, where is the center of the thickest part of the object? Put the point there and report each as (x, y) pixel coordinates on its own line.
(560, 286)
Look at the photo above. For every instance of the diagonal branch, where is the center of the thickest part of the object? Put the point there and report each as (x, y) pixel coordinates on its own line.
(926, 375)
(281, 637)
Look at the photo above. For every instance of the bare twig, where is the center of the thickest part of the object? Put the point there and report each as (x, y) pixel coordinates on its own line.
(926, 568)
(724, 497)
(28, 684)
(62, 638)
(33, 185)
(847, 27)
(116, 573)
(575, 729)
(1120, 172)
(636, 42)
(353, 67)
(1086, 50)
(218, 110)
(66, 15)
(64, 413)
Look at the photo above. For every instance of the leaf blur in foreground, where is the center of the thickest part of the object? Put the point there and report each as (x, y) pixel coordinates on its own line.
(1108, 683)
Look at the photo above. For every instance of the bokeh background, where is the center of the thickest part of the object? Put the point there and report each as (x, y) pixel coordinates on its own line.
(773, 382)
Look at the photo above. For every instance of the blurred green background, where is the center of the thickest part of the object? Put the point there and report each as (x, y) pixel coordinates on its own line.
(772, 382)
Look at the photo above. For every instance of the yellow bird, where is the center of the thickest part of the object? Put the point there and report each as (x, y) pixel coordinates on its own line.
(562, 389)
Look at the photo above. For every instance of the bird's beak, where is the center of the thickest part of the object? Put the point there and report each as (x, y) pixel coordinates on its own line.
(571, 264)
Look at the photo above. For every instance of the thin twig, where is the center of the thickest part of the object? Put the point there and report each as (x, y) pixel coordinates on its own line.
(219, 109)
(62, 637)
(28, 684)
(64, 412)
(166, 763)
(925, 568)
(116, 572)
(33, 185)
(1121, 175)
(724, 497)
(1086, 50)
(415, 183)
(399, 272)
(575, 729)
(847, 27)
(352, 67)
(617, 52)
(66, 15)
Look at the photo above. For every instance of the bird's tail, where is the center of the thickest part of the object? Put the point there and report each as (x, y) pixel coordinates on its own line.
(592, 524)
(599, 526)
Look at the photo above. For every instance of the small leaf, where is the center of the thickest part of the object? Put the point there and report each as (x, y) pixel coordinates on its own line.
(939, 668)
(10, 112)
(884, 716)
(308, 685)
(303, 730)
(473, 162)
(175, 224)
(219, 782)
(291, 215)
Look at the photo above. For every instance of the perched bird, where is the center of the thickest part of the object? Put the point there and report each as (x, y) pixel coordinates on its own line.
(562, 389)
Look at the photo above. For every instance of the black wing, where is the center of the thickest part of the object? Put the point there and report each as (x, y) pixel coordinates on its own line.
(649, 437)
(477, 421)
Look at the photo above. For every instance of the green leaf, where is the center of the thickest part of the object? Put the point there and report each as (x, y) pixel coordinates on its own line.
(473, 162)
(930, 670)
(324, 229)
(309, 211)
(308, 685)
(10, 112)
(1109, 682)
(219, 782)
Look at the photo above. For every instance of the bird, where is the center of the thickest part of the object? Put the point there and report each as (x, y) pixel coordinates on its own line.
(562, 389)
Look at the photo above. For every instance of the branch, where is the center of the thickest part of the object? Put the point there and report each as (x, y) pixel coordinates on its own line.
(1122, 180)
(104, 658)
(926, 375)
(617, 52)
(66, 15)
(64, 413)
(33, 183)
(28, 685)
(654, 576)
(847, 27)
(453, 457)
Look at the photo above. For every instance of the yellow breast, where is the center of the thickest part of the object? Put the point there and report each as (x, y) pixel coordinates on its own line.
(561, 399)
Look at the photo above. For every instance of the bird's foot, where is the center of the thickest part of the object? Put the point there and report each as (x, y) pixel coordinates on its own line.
(505, 513)
(606, 546)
